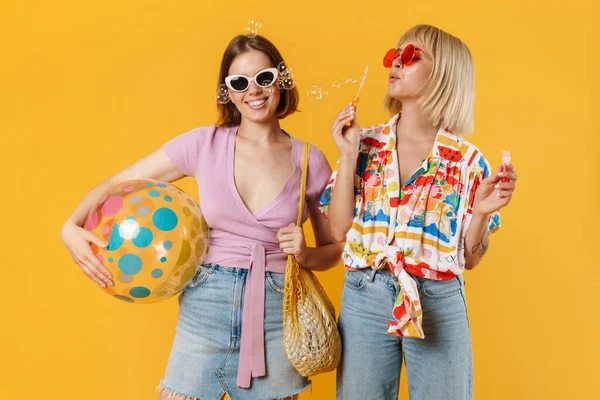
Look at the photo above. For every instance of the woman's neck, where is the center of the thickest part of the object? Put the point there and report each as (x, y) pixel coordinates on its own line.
(261, 132)
(414, 125)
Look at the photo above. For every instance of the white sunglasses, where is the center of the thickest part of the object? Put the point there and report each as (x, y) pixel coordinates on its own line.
(263, 78)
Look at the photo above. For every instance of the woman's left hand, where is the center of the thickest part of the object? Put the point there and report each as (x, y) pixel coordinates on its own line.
(493, 194)
(291, 240)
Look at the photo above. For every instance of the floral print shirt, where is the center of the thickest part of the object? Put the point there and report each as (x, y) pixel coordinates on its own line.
(418, 229)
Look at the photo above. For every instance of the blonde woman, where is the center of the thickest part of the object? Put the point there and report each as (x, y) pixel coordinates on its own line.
(415, 203)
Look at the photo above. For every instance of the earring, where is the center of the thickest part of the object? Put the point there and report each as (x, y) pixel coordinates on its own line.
(285, 78)
(222, 96)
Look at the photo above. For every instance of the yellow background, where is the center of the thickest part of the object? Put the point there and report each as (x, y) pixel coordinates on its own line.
(86, 88)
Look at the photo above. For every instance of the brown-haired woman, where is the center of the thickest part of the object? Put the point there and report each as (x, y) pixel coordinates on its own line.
(230, 331)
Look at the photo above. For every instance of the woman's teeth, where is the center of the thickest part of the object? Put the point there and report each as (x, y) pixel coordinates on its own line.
(257, 103)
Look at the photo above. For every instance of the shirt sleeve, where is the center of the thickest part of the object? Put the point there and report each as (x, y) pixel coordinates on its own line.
(479, 170)
(319, 173)
(361, 164)
(185, 150)
(323, 205)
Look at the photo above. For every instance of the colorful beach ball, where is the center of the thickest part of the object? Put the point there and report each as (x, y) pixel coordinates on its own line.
(156, 237)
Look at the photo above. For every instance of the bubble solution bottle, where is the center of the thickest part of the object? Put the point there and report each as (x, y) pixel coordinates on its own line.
(505, 167)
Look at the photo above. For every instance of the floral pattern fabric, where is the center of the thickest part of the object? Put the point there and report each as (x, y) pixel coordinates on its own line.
(418, 229)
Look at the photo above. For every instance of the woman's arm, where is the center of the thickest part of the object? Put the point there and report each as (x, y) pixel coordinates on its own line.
(342, 205)
(476, 240)
(490, 196)
(154, 166)
(320, 258)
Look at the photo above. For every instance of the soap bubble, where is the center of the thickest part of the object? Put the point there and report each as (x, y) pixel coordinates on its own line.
(267, 87)
(222, 94)
(287, 84)
(285, 80)
(283, 69)
(339, 84)
(316, 93)
(252, 27)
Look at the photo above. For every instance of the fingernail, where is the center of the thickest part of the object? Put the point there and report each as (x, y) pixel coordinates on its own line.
(500, 173)
(496, 186)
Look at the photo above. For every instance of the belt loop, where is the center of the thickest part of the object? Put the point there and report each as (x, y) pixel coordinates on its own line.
(210, 268)
(371, 275)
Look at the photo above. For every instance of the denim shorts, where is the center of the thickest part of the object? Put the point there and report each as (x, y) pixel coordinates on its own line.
(205, 354)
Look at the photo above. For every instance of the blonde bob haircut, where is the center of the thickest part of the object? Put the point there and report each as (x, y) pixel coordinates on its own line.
(449, 94)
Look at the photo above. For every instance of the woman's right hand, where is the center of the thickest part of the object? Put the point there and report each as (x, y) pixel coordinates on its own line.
(78, 242)
(347, 138)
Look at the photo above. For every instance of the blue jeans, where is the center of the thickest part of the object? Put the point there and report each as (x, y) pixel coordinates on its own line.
(438, 367)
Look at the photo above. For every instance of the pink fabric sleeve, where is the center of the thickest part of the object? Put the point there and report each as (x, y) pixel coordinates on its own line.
(185, 150)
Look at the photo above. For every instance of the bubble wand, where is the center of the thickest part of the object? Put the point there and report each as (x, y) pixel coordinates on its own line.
(356, 99)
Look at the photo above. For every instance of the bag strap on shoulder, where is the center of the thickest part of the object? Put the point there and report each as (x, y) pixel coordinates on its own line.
(305, 154)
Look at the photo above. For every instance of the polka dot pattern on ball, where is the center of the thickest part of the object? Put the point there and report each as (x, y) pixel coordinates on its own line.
(157, 273)
(130, 264)
(116, 240)
(143, 211)
(165, 219)
(124, 298)
(143, 238)
(112, 206)
(92, 222)
(154, 233)
(135, 199)
(139, 292)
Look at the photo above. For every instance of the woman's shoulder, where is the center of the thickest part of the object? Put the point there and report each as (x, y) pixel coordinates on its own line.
(315, 155)
(377, 136)
(471, 154)
(319, 169)
(202, 132)
(203, 136)
(459, 149)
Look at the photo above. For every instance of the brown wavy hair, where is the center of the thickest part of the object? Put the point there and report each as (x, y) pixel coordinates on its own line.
(228, 113)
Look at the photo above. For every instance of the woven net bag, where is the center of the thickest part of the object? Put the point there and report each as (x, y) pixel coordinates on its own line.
(310, 333)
